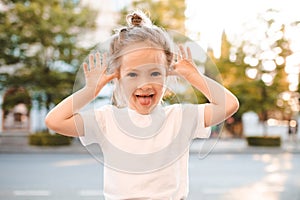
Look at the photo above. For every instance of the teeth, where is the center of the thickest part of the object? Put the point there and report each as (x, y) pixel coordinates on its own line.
(150, 95)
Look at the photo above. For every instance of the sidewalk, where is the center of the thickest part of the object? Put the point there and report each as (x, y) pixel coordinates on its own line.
(19, 144)
(234, 145)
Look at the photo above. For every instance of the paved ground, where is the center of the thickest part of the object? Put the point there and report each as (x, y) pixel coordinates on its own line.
(54, 176)
(225, 169)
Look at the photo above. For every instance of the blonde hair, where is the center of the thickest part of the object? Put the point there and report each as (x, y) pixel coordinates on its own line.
(139, 30)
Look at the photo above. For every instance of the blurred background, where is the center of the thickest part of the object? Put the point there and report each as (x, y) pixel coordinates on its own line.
(254, 44)
(251, 47)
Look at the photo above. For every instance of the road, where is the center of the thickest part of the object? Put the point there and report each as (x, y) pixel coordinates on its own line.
(217, 176)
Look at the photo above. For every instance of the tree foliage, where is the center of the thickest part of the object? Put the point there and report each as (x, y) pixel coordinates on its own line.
(39, 48)
(269, 52)
(266, 57)
(15, 96)
(168, 14)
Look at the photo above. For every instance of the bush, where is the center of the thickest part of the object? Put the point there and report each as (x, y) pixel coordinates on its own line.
(269, 141)
(47, 139)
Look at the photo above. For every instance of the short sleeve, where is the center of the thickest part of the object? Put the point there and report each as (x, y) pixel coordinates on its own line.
(201, 131)
(91, 127)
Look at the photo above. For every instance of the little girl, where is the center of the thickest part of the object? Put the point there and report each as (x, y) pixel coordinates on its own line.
(145, 145)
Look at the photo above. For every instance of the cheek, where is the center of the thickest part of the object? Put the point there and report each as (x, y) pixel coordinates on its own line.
(159, 88)
(128, 87)
(160, 82)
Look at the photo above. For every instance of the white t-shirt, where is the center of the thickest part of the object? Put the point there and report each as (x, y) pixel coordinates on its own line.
(145, 156)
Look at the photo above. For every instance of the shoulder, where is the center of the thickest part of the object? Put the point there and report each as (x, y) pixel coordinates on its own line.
(186, 111)
(96, 112)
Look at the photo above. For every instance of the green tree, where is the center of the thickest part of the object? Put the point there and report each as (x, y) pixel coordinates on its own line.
(168, 14)
(39, 44)
(254, 69)
(232, 77)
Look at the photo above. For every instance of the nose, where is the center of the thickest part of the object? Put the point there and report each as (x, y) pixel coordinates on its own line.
(145, 86)
(144, 82)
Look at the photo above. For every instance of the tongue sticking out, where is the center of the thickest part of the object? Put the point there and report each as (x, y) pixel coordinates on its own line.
(144, 100)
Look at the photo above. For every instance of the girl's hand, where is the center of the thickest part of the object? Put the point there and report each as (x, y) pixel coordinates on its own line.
(184, 65)
(95, 74)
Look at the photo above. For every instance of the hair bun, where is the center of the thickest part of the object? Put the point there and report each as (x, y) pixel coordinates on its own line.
(138, 18)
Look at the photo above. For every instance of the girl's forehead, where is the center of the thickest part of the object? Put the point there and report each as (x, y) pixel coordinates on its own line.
(143, 57)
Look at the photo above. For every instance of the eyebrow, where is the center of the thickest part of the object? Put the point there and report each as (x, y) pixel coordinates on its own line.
(137, 70)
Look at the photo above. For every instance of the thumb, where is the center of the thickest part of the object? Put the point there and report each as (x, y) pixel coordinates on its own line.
(171, 70)
(113, 75)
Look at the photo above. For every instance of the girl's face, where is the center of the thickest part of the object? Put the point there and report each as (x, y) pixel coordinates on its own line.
(142, 77)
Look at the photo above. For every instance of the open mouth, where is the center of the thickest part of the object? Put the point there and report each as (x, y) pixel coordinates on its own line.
(144, 99)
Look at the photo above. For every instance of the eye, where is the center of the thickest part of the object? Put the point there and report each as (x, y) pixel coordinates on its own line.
(132, 74)
(155, 74)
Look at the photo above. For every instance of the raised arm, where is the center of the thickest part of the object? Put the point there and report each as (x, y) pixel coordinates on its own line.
(63, 118)
(222, 104)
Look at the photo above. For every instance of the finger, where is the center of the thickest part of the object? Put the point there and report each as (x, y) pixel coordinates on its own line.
(104, 57)
(189, 53)
(85, 67)
(183, 54)
(98, 60)
(91, 61)
(177, 53)
(175, 58)
(179, 56)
